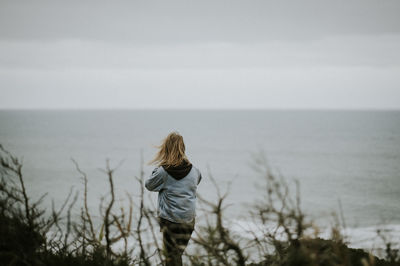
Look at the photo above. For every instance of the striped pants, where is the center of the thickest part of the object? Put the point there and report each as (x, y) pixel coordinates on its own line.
(175, 239)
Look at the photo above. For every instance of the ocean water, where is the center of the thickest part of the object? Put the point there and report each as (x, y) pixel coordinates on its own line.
(347, 156)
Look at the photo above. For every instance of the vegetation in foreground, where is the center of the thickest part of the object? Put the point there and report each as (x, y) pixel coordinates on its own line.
(129, 236)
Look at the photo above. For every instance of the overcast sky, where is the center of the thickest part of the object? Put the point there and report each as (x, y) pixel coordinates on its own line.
(200, 54)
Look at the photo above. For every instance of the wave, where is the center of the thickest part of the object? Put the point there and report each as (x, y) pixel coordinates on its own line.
(369, 238)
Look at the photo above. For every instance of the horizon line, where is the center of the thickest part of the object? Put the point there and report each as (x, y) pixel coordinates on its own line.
(198, 109)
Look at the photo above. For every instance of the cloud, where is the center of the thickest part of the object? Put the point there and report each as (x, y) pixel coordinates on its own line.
(199, 54)
(196, 21)
(312, 87)
(360, 50)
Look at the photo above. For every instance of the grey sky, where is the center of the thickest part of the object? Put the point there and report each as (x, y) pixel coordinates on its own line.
(200, 54)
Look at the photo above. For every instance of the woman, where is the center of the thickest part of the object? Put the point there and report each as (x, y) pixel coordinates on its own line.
(175, 179)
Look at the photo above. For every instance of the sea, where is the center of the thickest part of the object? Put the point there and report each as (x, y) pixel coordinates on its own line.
(346, 162)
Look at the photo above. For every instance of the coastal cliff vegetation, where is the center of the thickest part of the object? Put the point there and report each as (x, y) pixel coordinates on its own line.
(129, 235)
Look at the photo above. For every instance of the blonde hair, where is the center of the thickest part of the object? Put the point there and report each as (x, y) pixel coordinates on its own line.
(171, 151)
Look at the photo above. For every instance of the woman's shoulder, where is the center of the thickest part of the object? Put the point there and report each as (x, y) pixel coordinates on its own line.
(159, 170)
(196, 169)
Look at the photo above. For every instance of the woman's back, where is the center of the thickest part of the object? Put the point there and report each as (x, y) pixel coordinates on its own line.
(177, 191)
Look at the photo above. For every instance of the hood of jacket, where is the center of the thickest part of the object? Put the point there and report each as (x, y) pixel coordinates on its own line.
(180, 171)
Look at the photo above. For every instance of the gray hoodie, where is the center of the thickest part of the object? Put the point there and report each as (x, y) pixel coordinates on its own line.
(176, 187)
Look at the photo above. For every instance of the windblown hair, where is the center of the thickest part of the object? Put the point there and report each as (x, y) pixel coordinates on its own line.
(171, 152)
